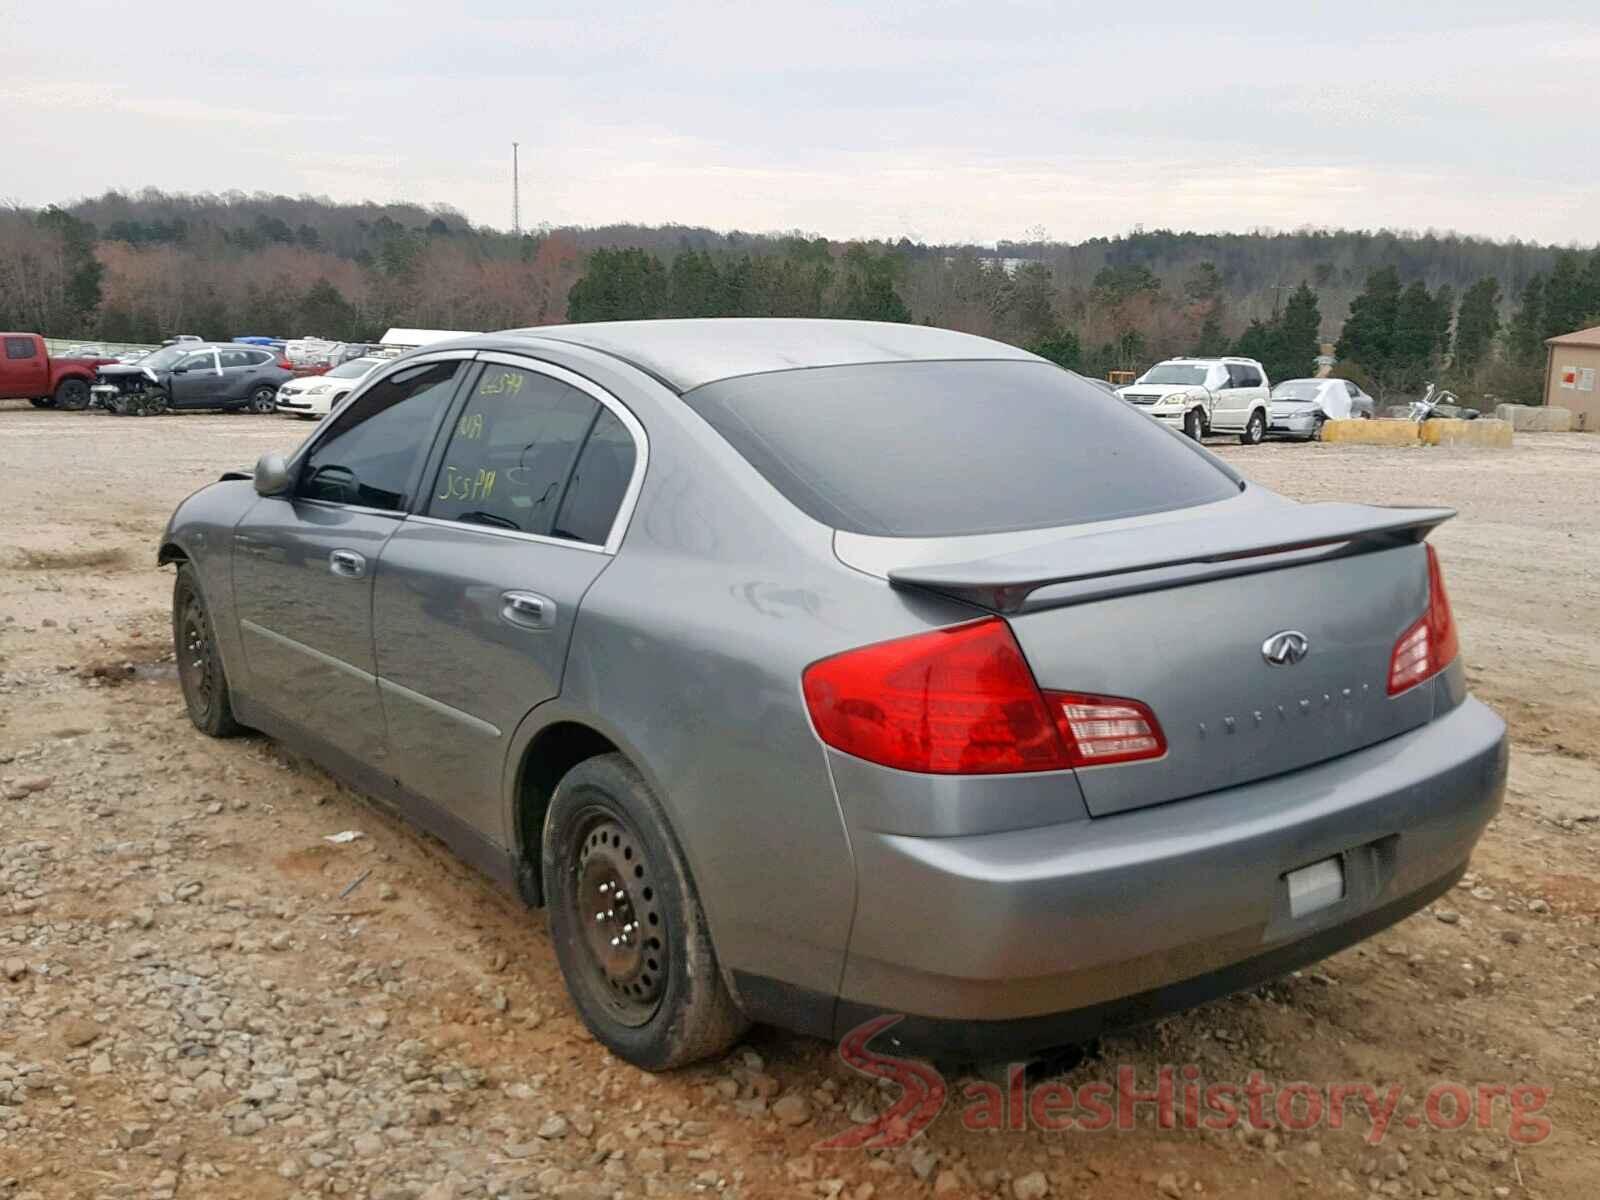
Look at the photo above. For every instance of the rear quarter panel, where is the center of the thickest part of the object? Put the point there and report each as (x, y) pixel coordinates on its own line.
(688, 652)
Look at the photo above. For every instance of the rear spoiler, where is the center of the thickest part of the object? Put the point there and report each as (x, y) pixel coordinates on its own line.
(1170, 554)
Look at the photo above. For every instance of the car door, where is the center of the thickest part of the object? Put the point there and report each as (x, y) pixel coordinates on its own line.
(26, 371)
(1229, 409)
(303, 563)
(239, 370)
(478, 589)
(196, 379)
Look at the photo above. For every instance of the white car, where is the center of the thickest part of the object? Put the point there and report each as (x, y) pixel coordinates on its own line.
(315, 395)
(1300, 406)
(1203, 396)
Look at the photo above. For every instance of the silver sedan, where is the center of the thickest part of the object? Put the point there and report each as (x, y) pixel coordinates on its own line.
(811, 672)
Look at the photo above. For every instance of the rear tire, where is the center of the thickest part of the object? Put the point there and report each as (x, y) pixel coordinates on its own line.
(627, 924)
(264, 400)
(200, 672)
(1194, 425)
(1255, 429)
(72, 395)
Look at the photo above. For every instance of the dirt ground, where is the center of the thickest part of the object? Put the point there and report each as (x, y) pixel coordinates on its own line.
(201, 996)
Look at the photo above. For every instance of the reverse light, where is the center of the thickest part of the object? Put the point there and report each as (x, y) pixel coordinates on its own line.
(1105, 729)
(1430, 644)
(963, 701)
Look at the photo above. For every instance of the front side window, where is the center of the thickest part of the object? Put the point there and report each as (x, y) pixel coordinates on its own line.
(373, 447)
(19, 347)
(511, 451)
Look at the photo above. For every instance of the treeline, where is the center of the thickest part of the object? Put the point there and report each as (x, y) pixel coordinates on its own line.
(145, 266)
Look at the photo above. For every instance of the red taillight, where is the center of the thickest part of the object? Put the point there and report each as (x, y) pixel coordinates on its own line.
(285, 365)
(962, 701)
(1430, 644)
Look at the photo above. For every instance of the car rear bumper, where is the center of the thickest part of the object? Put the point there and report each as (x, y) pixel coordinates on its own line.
(1012, 942)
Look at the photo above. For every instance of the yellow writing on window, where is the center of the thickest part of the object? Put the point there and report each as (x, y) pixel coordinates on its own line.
(470, 427)
(463, 484)
(505, 383)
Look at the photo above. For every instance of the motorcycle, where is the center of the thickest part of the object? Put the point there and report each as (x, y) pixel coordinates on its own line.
(1441, 403)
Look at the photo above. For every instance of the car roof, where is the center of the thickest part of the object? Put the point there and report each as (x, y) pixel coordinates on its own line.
(685, 354)
(1222, 358)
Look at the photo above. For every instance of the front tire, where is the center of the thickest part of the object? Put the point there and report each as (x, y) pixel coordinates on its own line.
(72, 395)
(1255, 429)
(627, 924)
(1194, 425)
(264, 401)
(200, 672)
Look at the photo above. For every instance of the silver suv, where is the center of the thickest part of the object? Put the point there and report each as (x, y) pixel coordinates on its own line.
(1203, 396)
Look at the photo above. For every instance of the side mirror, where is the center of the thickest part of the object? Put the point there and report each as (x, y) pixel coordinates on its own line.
(272, 474)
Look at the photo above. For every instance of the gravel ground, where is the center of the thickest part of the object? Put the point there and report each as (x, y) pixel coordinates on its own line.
(201, 996)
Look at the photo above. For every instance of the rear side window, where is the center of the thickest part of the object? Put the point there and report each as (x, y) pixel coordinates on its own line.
(599, 482)
(943, 449)
(19, 347)
(1243, 376)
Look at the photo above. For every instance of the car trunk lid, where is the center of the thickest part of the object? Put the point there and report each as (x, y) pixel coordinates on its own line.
(1178, 615)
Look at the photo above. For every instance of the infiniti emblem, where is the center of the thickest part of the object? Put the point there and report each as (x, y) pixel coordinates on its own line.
(1286, 648)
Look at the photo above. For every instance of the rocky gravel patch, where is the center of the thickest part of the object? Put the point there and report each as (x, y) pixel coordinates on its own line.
(202, 997)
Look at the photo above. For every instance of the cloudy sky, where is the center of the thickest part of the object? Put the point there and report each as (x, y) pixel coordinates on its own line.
(944, 121)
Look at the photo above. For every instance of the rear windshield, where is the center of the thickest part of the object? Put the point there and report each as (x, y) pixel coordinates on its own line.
(942, 449)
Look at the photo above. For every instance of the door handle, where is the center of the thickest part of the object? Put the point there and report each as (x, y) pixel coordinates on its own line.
(527, 610)
(347, 563)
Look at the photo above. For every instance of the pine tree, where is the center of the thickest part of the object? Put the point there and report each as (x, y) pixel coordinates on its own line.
(1525, 336)
(1299, 339)
(1477, 324)
(1369, 330)
(1416, 336)
(1565, 302)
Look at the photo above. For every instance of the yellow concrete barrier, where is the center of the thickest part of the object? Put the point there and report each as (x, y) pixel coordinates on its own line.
(1486, 431)
(1372, 433)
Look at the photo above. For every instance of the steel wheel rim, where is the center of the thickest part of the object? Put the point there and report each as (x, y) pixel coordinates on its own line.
(622, 931)
(194, 658)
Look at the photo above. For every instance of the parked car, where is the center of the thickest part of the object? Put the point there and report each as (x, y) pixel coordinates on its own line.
(27, 372)
(186, 375)
(315, 395)
(1300, 407)
(810, 671)
(1203, 396)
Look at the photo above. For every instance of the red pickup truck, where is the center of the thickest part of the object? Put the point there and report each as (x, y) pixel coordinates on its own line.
(27, 372)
